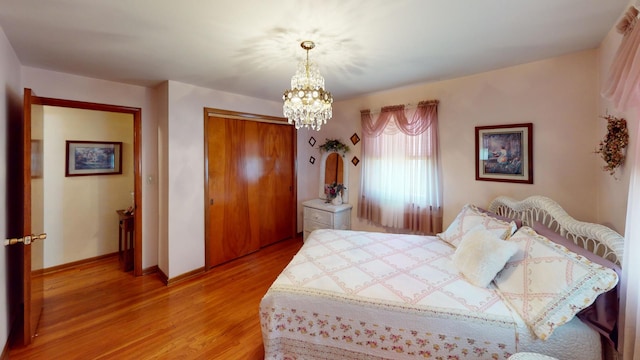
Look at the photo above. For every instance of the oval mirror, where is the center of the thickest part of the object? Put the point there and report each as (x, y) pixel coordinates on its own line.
(333, 168)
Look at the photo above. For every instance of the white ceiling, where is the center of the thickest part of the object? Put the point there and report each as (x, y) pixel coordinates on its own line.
(251, 47)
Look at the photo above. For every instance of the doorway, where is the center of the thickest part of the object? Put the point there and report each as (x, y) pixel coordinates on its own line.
(135, 113)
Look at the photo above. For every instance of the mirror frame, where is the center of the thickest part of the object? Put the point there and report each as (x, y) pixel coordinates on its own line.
(345, 175)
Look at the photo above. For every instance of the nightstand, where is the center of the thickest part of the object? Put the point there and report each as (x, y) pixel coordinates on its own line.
(321, 215)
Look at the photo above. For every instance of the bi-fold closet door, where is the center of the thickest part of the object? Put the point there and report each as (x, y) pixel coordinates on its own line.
(250, 190)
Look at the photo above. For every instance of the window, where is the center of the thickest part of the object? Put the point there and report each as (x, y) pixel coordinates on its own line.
(400, 184)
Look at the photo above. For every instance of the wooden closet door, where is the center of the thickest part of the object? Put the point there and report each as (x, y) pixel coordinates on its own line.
(230, 185)
(276, 183)
(250, 187)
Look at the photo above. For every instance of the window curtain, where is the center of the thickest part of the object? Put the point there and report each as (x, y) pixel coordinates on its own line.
(630, 282)
(400, 184)
(622, 86)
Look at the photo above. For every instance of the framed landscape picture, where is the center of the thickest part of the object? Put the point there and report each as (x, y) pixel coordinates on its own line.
(93, 158)
(505, 153)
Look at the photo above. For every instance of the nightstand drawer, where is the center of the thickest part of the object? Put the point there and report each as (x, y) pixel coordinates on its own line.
(318, 216)
(310, 225)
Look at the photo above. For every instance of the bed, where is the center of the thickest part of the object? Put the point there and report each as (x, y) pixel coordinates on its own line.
(367, 295)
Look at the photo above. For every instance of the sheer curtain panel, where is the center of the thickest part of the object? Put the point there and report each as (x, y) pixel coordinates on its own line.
(622, 86)
(630, 280)
(400, 185)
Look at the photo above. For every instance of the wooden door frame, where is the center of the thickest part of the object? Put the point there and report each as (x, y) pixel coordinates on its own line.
(229, 114)
(137, 160)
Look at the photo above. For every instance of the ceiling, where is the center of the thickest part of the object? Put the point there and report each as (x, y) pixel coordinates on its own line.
(252, 47)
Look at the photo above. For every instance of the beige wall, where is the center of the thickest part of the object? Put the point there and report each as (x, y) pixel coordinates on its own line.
(557, 95)
(80, 211)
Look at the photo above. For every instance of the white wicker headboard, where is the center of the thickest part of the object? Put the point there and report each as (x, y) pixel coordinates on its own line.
(596, 238)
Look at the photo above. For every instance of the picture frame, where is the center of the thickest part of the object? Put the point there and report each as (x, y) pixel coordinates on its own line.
(93, 158)
(505, 153)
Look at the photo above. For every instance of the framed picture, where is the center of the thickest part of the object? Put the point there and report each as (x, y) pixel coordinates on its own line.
(93, 158)
(505, 153)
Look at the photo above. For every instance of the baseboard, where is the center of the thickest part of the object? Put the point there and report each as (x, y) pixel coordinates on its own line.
(76, 263)
(150, 270)
(5, 351)
(178, 279)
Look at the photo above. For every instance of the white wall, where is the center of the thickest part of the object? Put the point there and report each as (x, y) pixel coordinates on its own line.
(557, 95)
(10, 106)
(52, 84)
(80, 211)
(184, 171)
(161, 101)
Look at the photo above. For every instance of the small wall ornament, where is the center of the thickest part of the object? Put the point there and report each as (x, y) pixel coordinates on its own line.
(611, 148)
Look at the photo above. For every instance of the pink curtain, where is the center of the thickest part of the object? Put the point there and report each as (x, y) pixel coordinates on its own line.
(400, 184)
(623, 84)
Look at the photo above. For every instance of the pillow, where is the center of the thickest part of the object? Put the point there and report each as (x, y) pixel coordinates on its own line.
(602, 315)
(548, 284)
(481, 255)
(470, 217)
(518, 222)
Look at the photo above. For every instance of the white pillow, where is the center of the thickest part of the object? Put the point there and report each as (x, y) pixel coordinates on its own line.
(481, 255)
(548, 284)
(470, 217)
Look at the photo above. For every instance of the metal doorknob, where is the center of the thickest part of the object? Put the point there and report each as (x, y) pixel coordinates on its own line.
(27, 240)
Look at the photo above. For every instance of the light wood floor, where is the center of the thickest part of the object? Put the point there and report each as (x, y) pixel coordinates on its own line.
(95, 311)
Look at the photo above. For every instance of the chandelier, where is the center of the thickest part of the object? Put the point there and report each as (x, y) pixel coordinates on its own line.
(307, 104)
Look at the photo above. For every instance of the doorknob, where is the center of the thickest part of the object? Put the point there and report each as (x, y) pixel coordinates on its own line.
(27, 240)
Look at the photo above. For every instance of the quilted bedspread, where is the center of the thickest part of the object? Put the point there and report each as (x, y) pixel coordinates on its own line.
(366, 295)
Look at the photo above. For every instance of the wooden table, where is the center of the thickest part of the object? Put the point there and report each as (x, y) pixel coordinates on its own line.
(125, 240)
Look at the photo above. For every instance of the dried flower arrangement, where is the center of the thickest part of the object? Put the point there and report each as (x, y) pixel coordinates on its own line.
(611, 148)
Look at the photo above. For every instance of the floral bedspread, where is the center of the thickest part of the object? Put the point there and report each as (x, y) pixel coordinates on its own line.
(365, 295)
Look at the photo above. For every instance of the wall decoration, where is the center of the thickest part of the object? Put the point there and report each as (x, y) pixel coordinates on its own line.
(93, 158)
(505, 153)
(334, 145)
(355, 138)
(312, 141)
(355, 161)
(312, 160)
(611, 148)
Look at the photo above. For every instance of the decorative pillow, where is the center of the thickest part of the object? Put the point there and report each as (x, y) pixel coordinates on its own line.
(481, 255)
(518, 222)
(548, 284)
(470, 217)
(602, 315)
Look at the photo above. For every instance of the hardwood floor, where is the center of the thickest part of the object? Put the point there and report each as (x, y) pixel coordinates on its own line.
(95, 311)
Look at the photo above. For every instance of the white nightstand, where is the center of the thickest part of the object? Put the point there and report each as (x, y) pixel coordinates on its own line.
(321, 215)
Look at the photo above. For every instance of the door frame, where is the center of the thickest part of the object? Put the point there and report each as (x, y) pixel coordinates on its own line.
(137, 160)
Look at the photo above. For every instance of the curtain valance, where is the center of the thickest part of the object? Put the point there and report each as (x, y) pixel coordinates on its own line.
(425, 114)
